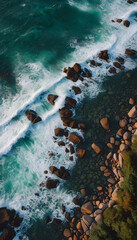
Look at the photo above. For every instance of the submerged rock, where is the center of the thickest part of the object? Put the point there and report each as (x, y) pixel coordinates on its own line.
(77, 90)
(74, 138)
(105, 123)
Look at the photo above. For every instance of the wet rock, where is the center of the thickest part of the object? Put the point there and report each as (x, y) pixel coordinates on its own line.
(4, 217)
(120, 132)
(47, 219)
(32, 116)
(77, 90)
(71, 158)
(57, 221)
(119, 20)
(69, 122)
(8, 234)
(122, 123)
(112, 70)
(103, 55)
(120, 60)
(126, 23)
(72, 74)
(87, 208)
(105, 123)
(67, 233)
(65, 113)
(130, 52)
(61, 144)
(92, 62)
(96, 148)
(133, 112)
(70, 101)
(61, 173)
(87, 72)
(80, 152)
(117, 65)
(50, 183)
(67, 216)
(131, 101)
(52, 98)
(77, 68)
(82, 126)
(83, 192)
(59, 132)
(74, 138)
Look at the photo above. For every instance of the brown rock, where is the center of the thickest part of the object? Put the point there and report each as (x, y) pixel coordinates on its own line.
(87, 208)
(131, 101)
(111, 180)
(70, 101)
(69, 122)
(80, 152)
(83, 192)
(120, 60)
(67, 216)
(50, 183)
(110, 145)
(87, 73)
(63, 208)
(126, 23)
(99, 188)
(103, 55)
(32, 116)
(96, 148)
(72, 74)
(17, 221)
(130, 52)
(59, 132)
(122, 123)
(117, 65)
(78, 226)
(102, 168)
(105, 123)
(65, 112)
(133, 112)
(120, 132)
(77, 90)
(112, 70)
(74, 138)
(123, 147)
(57, 221)
(52, 98)
(61, 143)
(98, 218)
(8, 234)
(61, 173)
(77, 68)
(4, 216)
(71, 148)
(118, 20)
(92, 62)
(82, 126)
(71, 158)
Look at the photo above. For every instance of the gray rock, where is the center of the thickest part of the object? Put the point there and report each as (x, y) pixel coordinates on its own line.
(84, 226)
(120, 160)
(126, 135)
(87, 220)
(103, 206)
(97, 212)
(94, 224)
(111, 203)
(99, 218)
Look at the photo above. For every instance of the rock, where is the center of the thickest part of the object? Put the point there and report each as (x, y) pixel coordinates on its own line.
(92, 62)
(116, 172)
(120, 132)
(75, 237)
(8, 234)
(93, 225)
(103, 55)
(78, 226)
(57, 221)
(109, 145)
(120, 160)
(130, 2)
(61, 173)
(98, 218)
(16, 221)
(67, 233)
(77, 68)
(131, 101)
(99, 188)
(32, 116)
(84, 226)
(105, 123)
(120, 60)
(77, 201)
(67, 216)
(70, 101)
(71, 148)
(4, 217)
(77, 90)
(112, 70)
(133, 112)
(61, 144)
(96, 148)
(65, 113)
(117, 65)
(50, 183)
(126, 135)
(112, 140)
(82, 126)
(123, 123)
(130, 52)
(97, 212)
(123, 147)
(59, 132)
(87, 220)
(102, 168)
(119, 20)
(111, 203)
(80, 152)
(103, 206)
(52, 98)
(109, 155)
(87, 73)
(69, 122)
(47, 220)
(83, 192)
(111, 180)
(126, 23)
(71, 158)
(74, 138)
(87, 208)
(72, 74)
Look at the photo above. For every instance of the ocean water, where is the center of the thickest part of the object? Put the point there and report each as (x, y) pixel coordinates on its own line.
(39, 39)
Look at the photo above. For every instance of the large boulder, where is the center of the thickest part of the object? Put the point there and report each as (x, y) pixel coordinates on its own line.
(4, 217)
(87, 220)
(105, 123)
(50, 183)
(70, 101)
(103, 55)
(32, 116)
(72, 74)
(65, 112)
(16, 221)
(74, 138)
(87, 208)
(52, 98)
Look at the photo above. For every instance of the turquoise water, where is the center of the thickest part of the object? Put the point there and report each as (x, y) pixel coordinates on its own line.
(39, 38)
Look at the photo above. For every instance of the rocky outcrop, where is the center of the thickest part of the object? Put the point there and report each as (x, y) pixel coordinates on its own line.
(73, 73)
(65, 112)
(70, 101)
(50, 183)
(32, 116)
(76, 90)
(103, 55)
(130, 52)
(87, 208)
(52, 98)
(61, 173)
(74, 138)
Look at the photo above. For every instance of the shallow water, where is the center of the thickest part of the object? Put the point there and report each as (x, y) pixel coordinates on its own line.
(38, 39)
